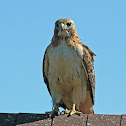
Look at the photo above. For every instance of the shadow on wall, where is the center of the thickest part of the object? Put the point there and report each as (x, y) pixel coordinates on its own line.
(8, 119)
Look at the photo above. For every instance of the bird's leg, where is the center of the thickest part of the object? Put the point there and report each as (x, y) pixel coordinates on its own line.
(54, 112)
(76, 97)
(73, 111)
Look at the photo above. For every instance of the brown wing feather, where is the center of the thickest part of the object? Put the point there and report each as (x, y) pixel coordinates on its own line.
(88, 59)
(45, 69)
(88, 63)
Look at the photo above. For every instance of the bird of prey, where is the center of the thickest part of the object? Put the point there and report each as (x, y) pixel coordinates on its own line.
(68, 70)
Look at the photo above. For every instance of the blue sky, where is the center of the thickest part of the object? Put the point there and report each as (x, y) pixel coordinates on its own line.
(26, 29)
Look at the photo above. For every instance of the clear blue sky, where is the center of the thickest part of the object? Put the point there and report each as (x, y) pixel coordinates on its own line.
(26, 29)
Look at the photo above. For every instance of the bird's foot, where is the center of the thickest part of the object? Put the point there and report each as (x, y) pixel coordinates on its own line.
(72, 112)
(53, 113)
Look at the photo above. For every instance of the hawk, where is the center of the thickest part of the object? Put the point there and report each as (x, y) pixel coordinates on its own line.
(68, 70)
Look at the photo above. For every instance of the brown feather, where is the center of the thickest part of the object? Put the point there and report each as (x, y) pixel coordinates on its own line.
(45, 63)
(88, 59)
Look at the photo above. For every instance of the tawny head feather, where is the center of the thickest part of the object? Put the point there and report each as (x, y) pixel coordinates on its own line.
(64, 28)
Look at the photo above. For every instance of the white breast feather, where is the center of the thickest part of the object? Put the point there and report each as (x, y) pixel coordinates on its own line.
(65, 64)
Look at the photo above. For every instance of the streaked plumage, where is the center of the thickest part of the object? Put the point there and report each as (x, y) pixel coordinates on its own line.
(68, 69)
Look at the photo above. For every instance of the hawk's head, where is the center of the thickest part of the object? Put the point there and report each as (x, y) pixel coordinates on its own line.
(64, 28)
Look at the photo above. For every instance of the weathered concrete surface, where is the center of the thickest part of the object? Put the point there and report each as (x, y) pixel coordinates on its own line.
(28, 119)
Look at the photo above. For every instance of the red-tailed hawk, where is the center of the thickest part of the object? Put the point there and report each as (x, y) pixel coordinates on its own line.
(68, 70)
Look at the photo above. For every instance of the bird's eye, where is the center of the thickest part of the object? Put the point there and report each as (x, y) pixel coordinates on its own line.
(57, 25)
(68, 24)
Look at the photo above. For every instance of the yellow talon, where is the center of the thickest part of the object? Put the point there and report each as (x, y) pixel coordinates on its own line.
(73, 111)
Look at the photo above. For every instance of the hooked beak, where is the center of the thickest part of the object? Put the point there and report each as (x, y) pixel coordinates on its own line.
(62, 26)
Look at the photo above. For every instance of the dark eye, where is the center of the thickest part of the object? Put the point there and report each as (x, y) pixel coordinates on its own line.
(68, 24)
(57, 25)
